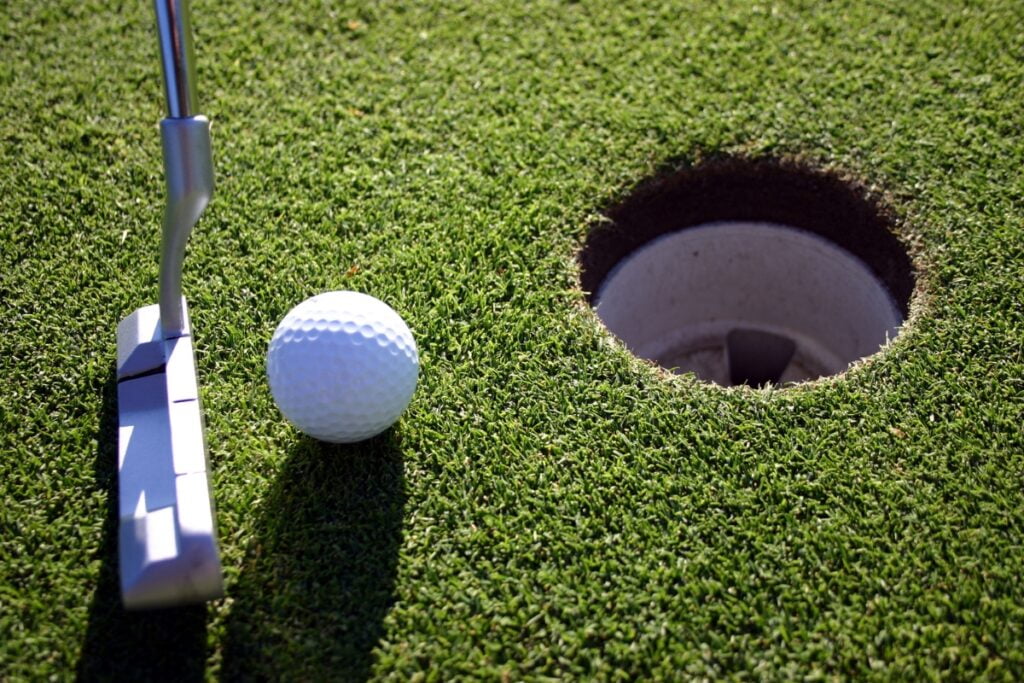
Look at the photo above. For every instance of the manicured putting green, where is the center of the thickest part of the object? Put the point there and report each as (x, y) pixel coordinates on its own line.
(549, 507)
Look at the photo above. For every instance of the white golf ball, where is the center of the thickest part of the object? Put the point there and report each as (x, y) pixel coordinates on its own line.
(342, 366)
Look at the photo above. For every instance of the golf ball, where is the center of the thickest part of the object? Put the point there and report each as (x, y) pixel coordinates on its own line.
(342, 366)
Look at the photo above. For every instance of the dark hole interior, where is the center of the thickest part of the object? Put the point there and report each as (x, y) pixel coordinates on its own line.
(757, 357)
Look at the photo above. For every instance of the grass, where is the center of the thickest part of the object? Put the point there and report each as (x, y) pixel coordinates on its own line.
(549, 506)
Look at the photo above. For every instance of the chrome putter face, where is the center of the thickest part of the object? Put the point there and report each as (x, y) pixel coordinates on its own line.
(167, 534)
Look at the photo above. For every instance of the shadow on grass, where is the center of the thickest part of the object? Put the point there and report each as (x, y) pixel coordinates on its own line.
(167, 644)
(318, 579)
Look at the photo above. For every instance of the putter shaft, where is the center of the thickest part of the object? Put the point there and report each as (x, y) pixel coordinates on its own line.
(174, 26)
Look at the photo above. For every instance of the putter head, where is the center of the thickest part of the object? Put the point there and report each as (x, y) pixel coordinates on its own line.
(167, 536)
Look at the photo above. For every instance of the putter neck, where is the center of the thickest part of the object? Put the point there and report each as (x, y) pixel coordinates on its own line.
(188, 171)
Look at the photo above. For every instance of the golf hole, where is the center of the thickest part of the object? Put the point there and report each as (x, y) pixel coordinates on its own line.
(749, 272)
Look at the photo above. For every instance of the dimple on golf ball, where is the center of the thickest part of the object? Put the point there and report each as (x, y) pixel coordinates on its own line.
(342, 366)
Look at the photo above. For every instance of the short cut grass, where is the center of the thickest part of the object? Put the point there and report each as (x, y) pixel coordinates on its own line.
(549, 506)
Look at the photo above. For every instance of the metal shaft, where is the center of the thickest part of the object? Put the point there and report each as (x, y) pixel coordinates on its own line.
(174, 25)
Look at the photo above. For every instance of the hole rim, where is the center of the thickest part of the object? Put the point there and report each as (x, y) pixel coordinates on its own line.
(844, 210)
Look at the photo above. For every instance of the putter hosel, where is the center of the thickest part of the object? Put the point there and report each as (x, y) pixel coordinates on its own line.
(188, 169)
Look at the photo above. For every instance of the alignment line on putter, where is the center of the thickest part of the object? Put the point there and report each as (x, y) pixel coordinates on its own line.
(167, 539)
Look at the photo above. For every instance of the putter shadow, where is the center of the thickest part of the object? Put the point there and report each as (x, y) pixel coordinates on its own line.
(168, 644)
(318, 579)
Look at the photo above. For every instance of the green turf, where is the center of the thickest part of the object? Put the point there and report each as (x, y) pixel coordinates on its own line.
(549, 506)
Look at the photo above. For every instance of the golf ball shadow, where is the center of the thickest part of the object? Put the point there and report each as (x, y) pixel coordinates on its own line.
(318, 575)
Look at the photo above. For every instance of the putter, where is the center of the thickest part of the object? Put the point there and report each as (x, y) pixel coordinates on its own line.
(167, 539)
